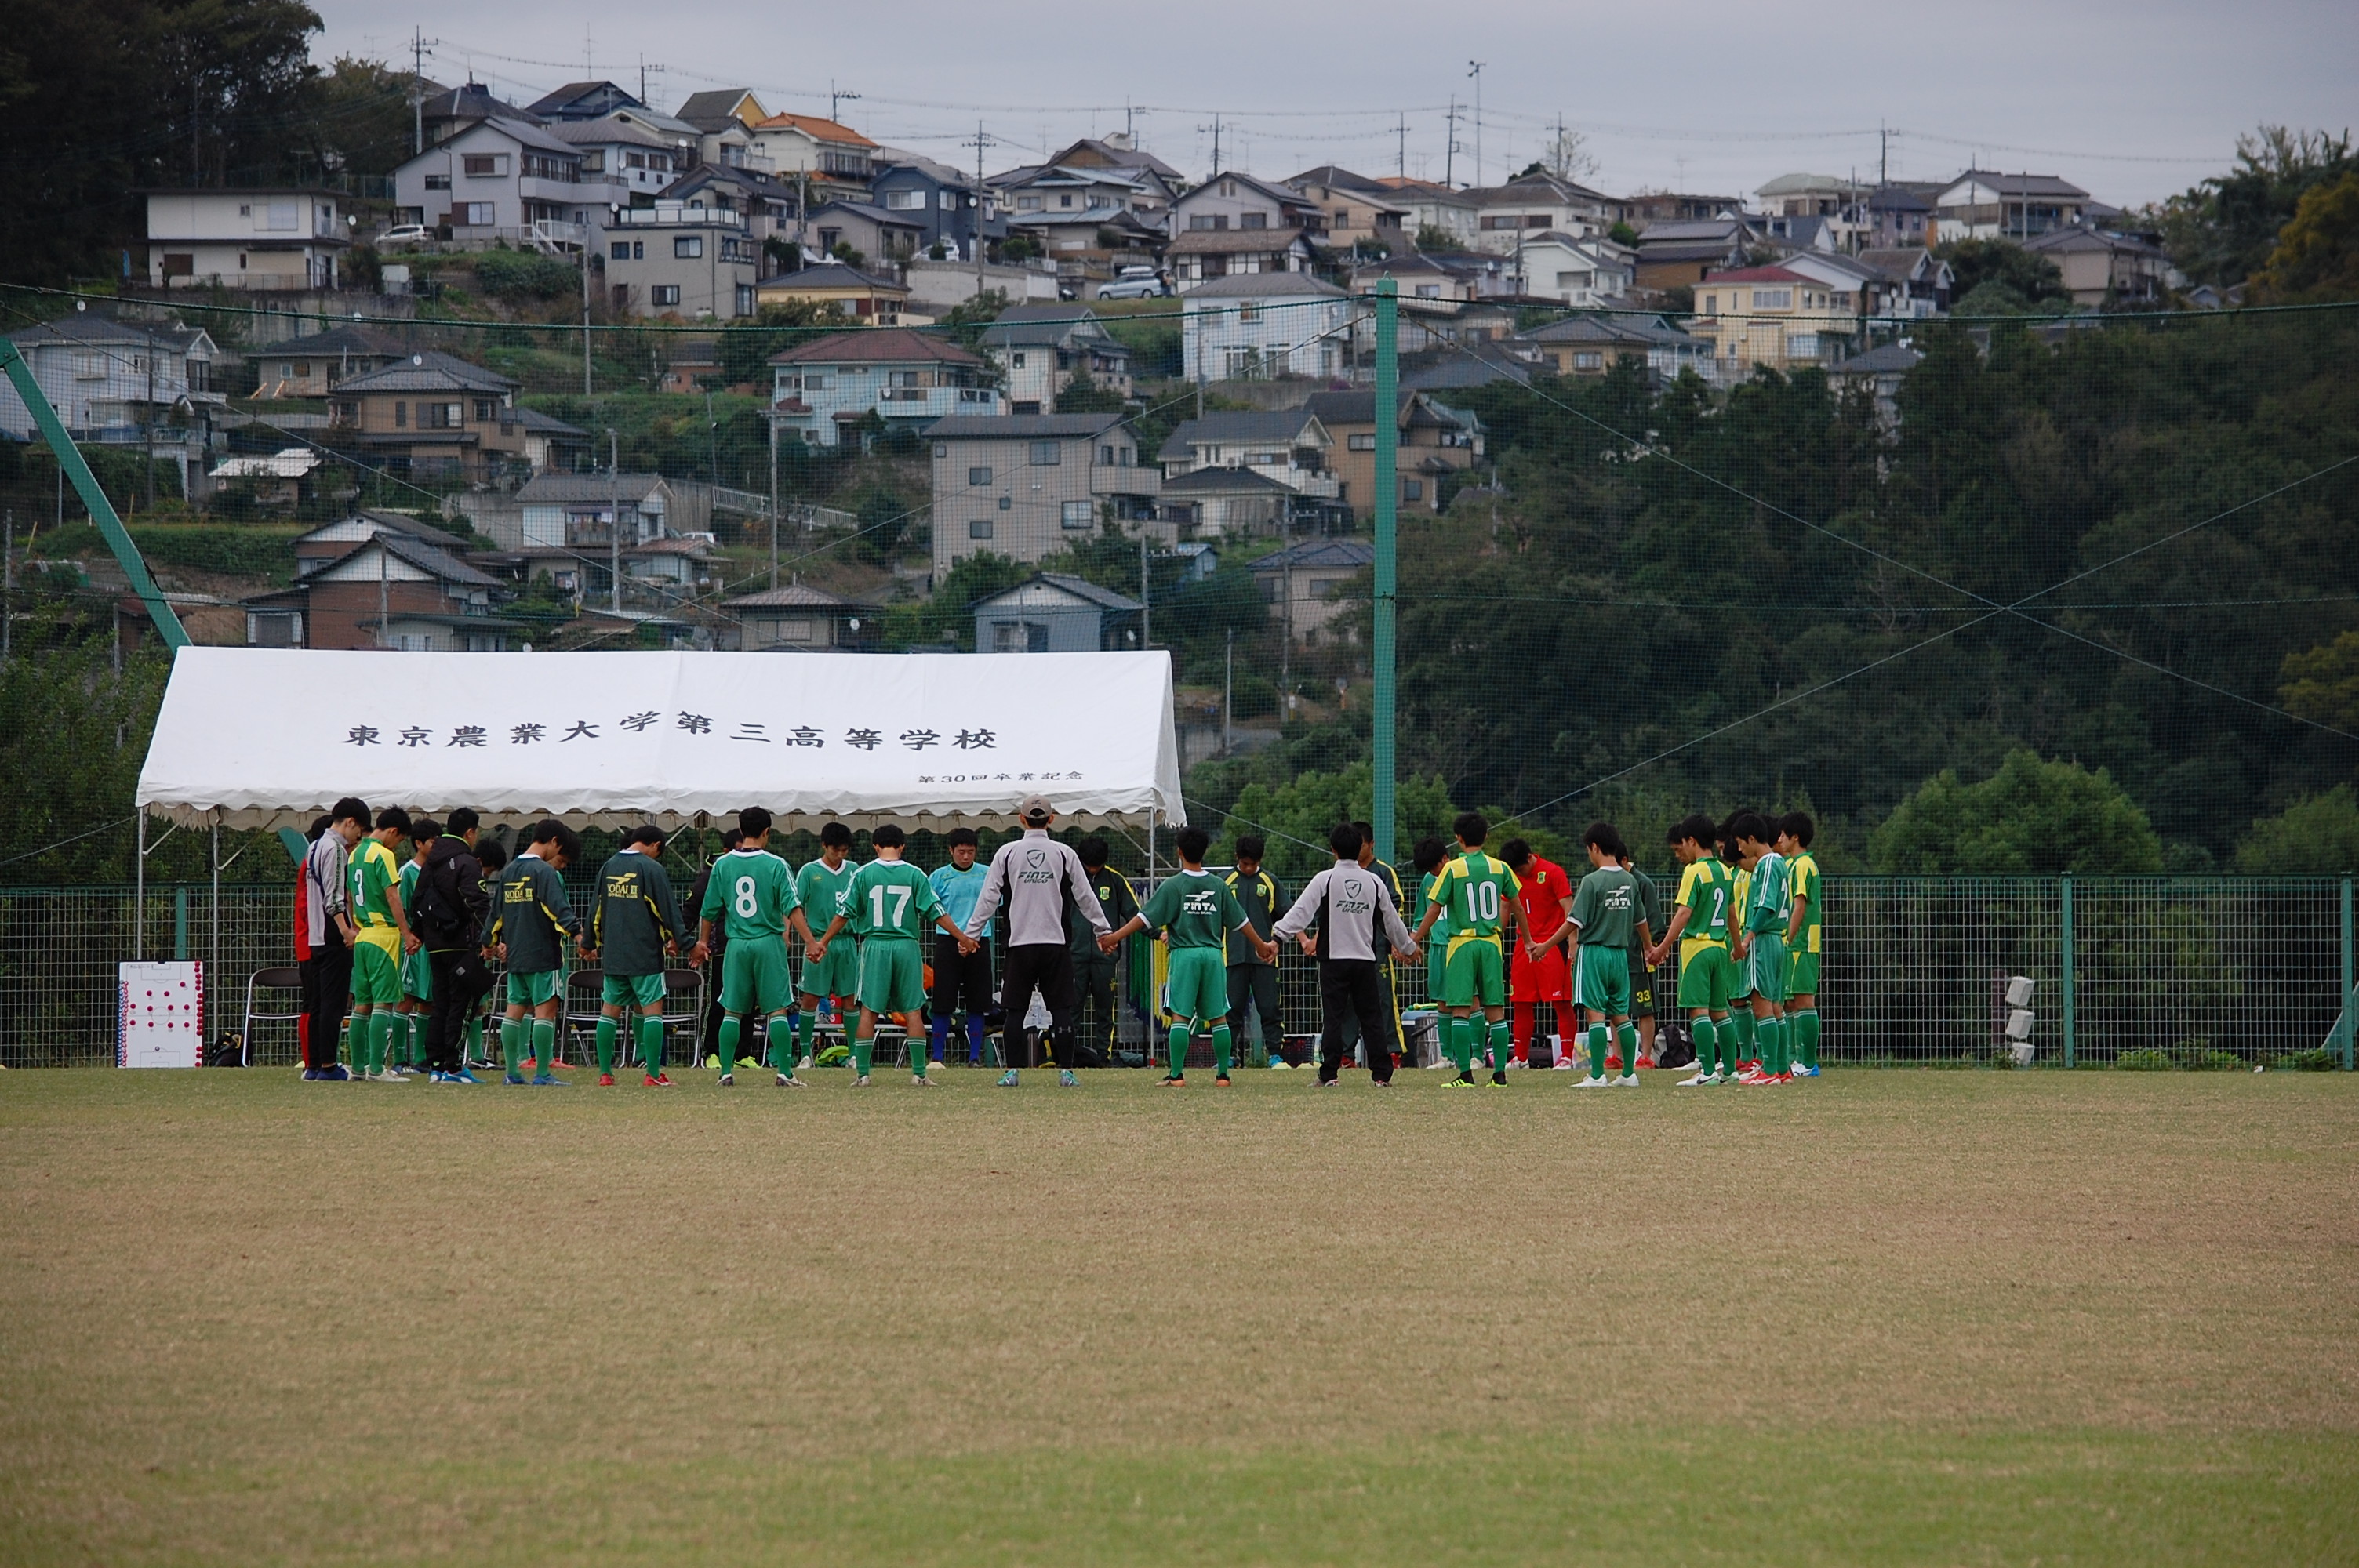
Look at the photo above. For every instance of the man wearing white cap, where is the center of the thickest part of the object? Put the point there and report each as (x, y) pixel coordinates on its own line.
(1038, 880)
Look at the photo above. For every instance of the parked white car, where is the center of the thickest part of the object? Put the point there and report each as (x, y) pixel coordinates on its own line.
(1135, 283)
(404, 234)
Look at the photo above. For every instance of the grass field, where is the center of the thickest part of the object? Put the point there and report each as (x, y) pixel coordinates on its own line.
(1885, 1317)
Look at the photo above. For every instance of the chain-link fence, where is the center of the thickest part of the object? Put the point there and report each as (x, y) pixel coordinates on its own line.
(1914, 968)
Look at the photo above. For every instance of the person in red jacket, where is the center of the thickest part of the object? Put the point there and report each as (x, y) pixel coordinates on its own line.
(1547, 902)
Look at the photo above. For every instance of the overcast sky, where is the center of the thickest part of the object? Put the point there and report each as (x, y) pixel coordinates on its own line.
(2132, 99)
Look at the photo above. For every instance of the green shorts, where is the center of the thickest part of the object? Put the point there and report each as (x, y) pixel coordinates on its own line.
(838, 974)
(1198, 985)
(1707, 975)
(376, 972)
(418, 976)
(1766, 966)
(1474, 976)
(531, 989)
(1602, 981)
(892, 975)
(643, 991)
(754, 978)
(1802, 974)
(1642, 985)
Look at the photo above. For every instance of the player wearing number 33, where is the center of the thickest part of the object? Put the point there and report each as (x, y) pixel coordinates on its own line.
(890, 902)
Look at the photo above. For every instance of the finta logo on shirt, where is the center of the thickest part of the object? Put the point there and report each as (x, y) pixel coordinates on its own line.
(1199, 902)
(1035, 867)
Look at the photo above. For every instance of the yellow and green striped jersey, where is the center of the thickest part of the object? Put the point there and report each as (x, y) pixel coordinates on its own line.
(1802, 885)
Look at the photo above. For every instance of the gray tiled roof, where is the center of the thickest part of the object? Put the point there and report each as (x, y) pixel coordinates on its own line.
(1313, 553)
(1260, 284)
(1244, 424)
(428, 370)
(565, 487)
(1079, 587)
(1019, 426)
(793, 595)
(1224, 481)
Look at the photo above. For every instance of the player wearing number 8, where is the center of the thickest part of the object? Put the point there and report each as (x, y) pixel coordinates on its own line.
(890, 902)
(752, 895)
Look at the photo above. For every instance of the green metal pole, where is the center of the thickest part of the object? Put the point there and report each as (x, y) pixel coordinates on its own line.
(101, 510)
(2350, 1025)
(2064, 942)
(181, 923)
(1387, 398)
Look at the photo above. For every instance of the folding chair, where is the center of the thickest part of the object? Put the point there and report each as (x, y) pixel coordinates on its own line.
(683, 1008)
(569, 1016)
(285, 977)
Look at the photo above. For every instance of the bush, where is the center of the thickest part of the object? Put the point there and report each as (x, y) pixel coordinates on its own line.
(2031, 818)
(522, 275)
(2316, 1059)
(2316, 836)
(2145, 1059)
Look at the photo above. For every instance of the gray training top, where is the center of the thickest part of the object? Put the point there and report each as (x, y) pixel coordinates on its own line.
(1346, 903)
(1032, 876)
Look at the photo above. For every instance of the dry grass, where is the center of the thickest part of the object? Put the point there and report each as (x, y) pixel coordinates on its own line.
(1889, 1316)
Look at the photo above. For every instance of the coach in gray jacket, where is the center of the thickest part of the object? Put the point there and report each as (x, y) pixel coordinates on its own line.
(1350, 904)
(1035, 876)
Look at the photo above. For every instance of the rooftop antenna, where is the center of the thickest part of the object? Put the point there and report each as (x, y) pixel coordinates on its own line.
(836, 98)
(1215, 129)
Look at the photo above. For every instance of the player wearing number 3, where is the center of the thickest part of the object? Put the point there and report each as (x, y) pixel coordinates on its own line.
(751, 893)
(888, 900)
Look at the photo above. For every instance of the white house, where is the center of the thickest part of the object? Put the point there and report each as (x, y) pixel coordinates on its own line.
(1589, 271)
(502, 180)
(570, 509)
(1982, 205)
(624, 149)
(1265, 324)
(276, 237)
(1287, 446)
(119, 382)
(1536, 204)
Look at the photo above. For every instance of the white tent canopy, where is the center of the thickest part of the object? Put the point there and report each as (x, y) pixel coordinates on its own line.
(267, 738)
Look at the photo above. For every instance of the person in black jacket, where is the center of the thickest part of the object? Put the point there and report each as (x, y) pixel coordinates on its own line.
(450, 915)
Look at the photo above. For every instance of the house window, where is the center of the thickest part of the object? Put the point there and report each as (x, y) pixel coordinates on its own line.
(1028, 205)
(745, 299)
(664, 294)
(687, 247)
(479, 165)
(1065, 200)
(400, 415)
(1200, 222)
(1253, 220)
(1105, 457)
(1076, 515)
(437, 182)
(441, 416)
(1365, 442)
(1248, 312)
(979, 529)
(619, 251)
(1006, 502)
(803, 631)
(1412, 489)
(594, 162)
(482, 411)
(1017, 360)
(481, 214)
(1047, 454)
(978, 476)
(1429, 291)
(1773, 299)
(1588, 359)
(89, 365)
(904, 200)
(180, 264)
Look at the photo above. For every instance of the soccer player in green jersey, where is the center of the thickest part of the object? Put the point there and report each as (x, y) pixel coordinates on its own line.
(751, 896)
(818, 887)
(1606, 924)
(1699, 932)
(417, 1001)
(531, 917)
(1762, 946)
(633, 922)
(890, 902)
(1479, 895)
(1739, 989)
(373, 895)
(1795, 831)
(1429, 857)
(1196, 911)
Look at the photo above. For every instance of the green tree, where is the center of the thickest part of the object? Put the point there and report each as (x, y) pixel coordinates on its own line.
(2224, 230)
(2031, 278)
(946, 620)
(1082, 395)
(1622, 233)
(1295, 817)
(2322, 683)
(2316, 836)
(745, 350)
(1433, 237)
(2030, 819)
(2317, 254)
(360, 121)
(885, 521)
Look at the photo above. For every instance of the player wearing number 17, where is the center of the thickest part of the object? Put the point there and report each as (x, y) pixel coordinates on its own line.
(891, 903)
(752, 895)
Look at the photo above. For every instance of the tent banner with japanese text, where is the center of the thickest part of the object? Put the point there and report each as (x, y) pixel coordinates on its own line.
(269, 738)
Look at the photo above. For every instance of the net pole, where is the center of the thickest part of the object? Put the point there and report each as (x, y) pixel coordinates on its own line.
(2064, 961)
(1387, 486)
(2350, 1025)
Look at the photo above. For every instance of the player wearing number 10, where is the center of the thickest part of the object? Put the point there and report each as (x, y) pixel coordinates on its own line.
(752, 895)
(1478, 894)
(891, 903)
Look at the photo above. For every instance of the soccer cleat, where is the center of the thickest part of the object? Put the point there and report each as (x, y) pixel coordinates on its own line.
(1626, 1081)
(1594, 1081)
(335, 1072)
(464, 1077)
(1564, 1064)
(1801, 1072)
(1281, 1065)
(921, 1080)
(513, 1081)
(656, 1081)
(1463, 1081)
(1171, 1081)
(727, 1079)
(1700, 1081)
(310, 1074)
(1330, 1083)
(1221, 1081)
(606, 1080)
(386, 1076)
(789, 1081)
(1066, 1080)
(1007, 1079)
(548, 1081)
(803, 1065)
(1380, 1083)
(1519, 1062)
(1499, 1079)
(1755, 1078)
(861, 1082)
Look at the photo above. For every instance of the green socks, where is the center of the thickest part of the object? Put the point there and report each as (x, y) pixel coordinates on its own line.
(1175, 1050)
(1806, 1037)
(380, 1041)
(605, 1046)
(1461, 1043)
(1628, 1035)
(1742, 1018)
(1706, 1035)
(511, 1043)
(1221, 1042)
(1730, 1052)
(1503, 1046)
(544, 1046)
(782, 1045)
(804, 1024)
(474, 1041)
(863, 1049)
(1597, 1050)
(651, 1046)
(730, 1029)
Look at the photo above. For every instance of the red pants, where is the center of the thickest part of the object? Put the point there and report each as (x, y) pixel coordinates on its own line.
(1548, 980)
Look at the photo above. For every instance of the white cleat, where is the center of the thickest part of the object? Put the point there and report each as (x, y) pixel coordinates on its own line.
(1595, 1082)
(921, 1080)
(1626, 1081)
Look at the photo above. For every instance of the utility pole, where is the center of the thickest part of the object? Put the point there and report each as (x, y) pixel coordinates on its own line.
(975, 240)
(147, 425)
(836, 98)
(1477, 74)
(1400, 154)
(384, 596)
(1450, 147)
(417, 88)
(585, 313)
(614, 525)
(8, 578)
(1215, 128)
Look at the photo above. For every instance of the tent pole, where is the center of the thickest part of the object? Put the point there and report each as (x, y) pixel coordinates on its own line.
(139, 886)
(212, 955)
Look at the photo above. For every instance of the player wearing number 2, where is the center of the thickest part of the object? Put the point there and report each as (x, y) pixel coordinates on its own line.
(889, 901)
(752, 896)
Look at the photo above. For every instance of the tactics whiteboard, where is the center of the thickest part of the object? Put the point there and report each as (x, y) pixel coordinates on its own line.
(161, 1019)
